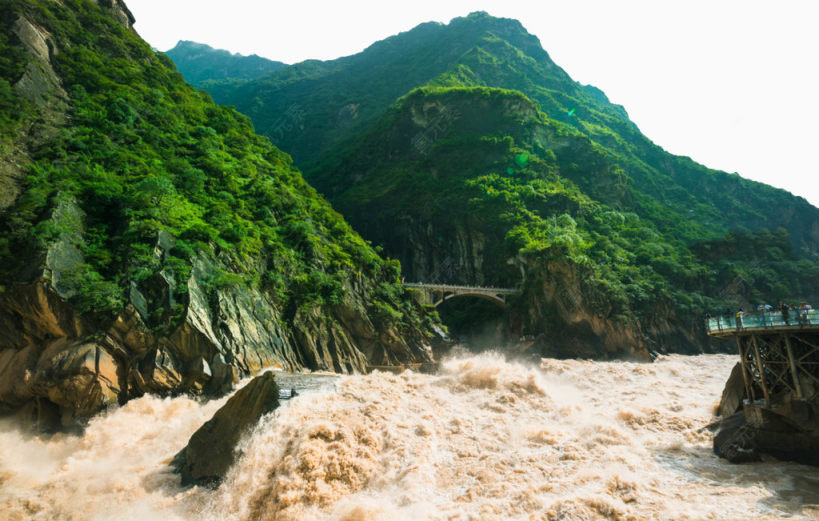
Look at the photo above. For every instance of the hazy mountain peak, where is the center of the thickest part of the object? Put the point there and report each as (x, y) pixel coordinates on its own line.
(199, 62)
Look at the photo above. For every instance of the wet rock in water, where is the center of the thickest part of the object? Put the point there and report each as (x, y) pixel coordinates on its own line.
(212, 449)
(789, 431)
(733, 394)
(736, 440)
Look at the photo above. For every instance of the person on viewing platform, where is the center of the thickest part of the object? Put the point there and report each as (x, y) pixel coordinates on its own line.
(803, 313)
(739, 318)
(785, 311)
(762, 308)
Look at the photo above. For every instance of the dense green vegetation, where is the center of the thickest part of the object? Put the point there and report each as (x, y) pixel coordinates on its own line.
(145, 153)
(12, 108)
(200, 63)
(460, 144)
(338, 99)
(541, 190)
(497, 140)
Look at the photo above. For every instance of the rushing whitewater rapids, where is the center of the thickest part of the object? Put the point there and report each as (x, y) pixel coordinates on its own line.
(485, 439)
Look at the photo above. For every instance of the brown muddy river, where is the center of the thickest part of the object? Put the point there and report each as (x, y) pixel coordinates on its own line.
(485, 439)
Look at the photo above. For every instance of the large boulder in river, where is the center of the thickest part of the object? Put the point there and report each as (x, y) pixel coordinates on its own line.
(787, 431)
(212, 449)
(736, 440)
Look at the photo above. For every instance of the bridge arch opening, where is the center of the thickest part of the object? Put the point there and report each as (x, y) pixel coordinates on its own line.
(497, 301)
(477, 321)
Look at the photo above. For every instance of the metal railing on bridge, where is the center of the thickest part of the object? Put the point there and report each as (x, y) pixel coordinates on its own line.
(762, 320)
(451, 287)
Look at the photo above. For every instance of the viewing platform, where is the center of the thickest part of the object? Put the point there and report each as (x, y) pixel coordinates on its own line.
(778, 356)
(772, 321)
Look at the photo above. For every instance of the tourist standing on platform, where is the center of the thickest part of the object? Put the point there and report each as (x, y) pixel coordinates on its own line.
(803, 313)
(762, 309)
(784, 309)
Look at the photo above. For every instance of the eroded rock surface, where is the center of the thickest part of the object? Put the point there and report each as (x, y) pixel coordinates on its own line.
(788, 430)
(93, 315)
(212, 449)
(39, 85)
(53, 358)
(733, 394)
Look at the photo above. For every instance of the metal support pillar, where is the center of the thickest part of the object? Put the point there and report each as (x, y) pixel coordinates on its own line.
(761, 370)
(749, 389)
(792, 362)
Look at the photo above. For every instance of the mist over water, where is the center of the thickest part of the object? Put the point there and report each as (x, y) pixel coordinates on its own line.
(483, 439)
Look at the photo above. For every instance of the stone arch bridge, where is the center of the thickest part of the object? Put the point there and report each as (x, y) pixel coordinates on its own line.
(435, 294)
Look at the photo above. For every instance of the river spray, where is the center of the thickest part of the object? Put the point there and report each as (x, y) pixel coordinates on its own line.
(483, 439)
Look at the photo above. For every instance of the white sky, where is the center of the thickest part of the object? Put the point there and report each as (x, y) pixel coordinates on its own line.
(734, 84)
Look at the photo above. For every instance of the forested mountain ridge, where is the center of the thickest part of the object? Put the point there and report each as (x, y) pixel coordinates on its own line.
(385, 136)
(309, 107)
(344, 94)
(200, 63)
(477, 185)
(150, 242)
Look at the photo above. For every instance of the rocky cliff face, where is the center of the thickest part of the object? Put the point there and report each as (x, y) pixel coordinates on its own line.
(449, 179)
(120, 11)
(62, 367)
(433, 251)
(571, 318)
(39, 85)
(106, 294)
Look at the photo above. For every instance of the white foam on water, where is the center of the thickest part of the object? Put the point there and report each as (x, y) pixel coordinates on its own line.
(484, 439)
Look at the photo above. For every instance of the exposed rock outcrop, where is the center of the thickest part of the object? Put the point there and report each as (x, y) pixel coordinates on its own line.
(733, 394)
(52, 357)
(39, 85)
(120, 10)
(95, 309)
(559, 301)
(212, 449)
(788, 430)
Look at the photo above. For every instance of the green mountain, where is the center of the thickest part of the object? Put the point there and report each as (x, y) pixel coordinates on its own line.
(199, 63)
(151, 242)
(471, 157)
(312, 106)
